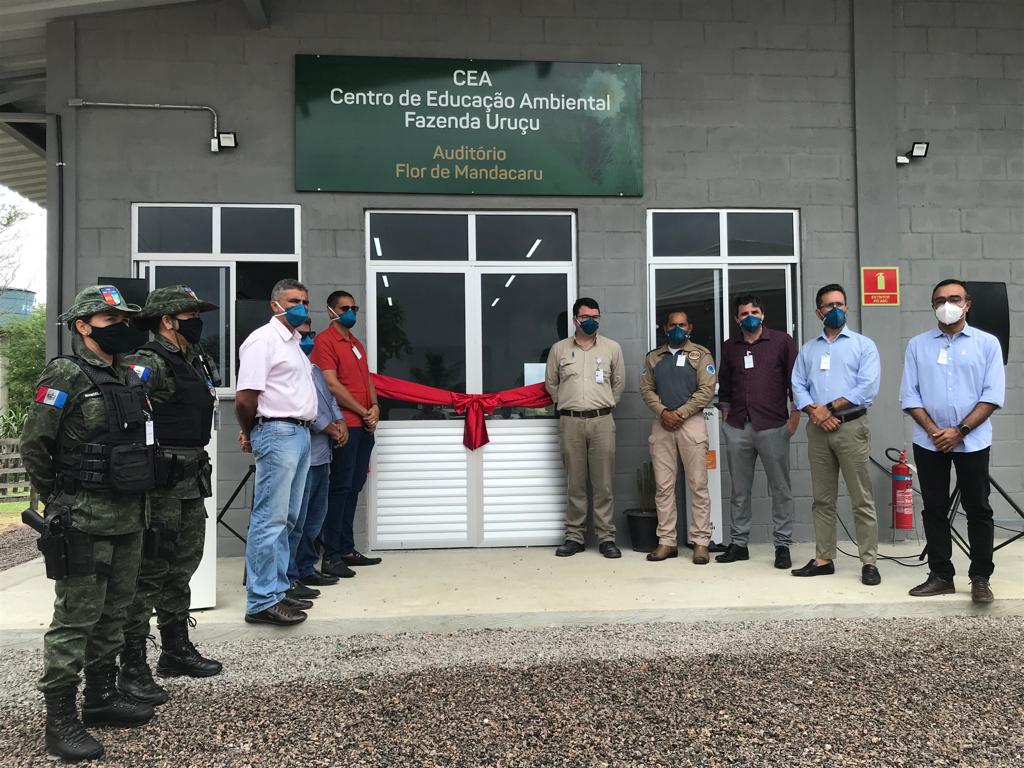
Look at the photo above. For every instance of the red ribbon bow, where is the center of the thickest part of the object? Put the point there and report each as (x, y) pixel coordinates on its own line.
(476, 407)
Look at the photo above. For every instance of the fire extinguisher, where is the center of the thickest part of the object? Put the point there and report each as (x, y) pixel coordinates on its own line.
(902, 495)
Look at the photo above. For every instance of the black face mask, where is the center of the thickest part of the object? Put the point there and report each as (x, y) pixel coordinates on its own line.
(118, 338)
(191, 329)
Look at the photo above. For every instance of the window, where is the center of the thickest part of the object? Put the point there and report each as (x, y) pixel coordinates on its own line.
(701, 260)
(229, 254)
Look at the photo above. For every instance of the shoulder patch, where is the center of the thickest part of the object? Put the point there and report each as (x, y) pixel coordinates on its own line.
(695, 354)
(52, 397)
(142, 371)
(710, 369)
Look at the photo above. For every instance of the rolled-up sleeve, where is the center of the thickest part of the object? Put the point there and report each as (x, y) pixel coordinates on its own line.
(910, 384)
(868, 377)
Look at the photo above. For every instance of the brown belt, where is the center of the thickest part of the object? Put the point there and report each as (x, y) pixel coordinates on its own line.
(586, 414)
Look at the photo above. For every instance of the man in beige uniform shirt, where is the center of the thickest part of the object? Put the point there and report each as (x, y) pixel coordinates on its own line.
(677, 382)
(585, 378)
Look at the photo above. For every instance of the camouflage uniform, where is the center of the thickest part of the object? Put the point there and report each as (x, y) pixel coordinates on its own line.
(178, 512)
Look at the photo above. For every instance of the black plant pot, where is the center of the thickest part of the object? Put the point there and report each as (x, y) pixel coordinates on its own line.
(643, 529)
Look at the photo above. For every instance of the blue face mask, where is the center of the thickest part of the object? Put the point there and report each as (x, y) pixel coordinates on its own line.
(347, 318)
(589, 326)
(677, 336)
(306, 344)
(750, 323)
(836, 318)
(295, 316)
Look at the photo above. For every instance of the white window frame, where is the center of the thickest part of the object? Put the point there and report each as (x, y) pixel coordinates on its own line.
(469, 268)
(144, 264)
(725, 262)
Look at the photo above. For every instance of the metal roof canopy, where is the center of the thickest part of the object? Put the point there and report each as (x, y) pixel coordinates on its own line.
(23, 78)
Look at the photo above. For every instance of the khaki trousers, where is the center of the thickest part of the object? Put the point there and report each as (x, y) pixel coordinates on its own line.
(588, 453)
(847, 450)
(690, 443)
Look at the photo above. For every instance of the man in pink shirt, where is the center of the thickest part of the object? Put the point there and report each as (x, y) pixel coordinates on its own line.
(275, 402)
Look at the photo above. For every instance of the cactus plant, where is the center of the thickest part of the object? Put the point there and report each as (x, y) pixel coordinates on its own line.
(645, 486)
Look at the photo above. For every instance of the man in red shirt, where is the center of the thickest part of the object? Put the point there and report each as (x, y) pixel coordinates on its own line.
(342, 358)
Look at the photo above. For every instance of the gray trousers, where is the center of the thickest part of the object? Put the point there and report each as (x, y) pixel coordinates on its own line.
(742, 447)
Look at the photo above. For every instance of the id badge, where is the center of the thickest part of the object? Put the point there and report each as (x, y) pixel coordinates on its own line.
(599, 376)
(150, 435)
(748, 361)
(680, 360)
(355, 351)
(826, 363)
(943, 356)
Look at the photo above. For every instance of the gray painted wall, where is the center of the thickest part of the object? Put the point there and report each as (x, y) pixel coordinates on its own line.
(746, 103)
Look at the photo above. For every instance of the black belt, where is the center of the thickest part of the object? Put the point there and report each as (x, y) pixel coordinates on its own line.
(289, 419)
(587, 414)
(850, 416)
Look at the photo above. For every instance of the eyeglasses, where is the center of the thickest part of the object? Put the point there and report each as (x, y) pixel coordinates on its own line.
(307, 334)
(833, 305)
(343, 309)
(581, 318)
(938, 301)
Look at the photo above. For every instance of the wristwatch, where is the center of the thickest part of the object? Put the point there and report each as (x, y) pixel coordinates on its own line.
(964, 429)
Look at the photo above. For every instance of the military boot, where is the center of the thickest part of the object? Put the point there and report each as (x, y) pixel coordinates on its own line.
(179, 656)
(66, 737)
(134, 679)
(103, 704)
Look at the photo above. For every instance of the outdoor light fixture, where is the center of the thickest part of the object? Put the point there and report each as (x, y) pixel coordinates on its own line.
(918, 150)
(224, 140)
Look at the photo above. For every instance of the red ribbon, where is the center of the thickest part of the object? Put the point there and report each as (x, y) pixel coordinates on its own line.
(476, 407)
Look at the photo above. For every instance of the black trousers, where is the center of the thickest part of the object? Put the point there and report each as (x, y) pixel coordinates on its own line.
(972, 477)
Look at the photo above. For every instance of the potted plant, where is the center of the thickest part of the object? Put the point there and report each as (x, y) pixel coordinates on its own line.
(643, 520)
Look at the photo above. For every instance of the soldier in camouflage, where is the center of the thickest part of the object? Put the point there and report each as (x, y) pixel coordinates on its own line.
(181, 389)
(86, 451)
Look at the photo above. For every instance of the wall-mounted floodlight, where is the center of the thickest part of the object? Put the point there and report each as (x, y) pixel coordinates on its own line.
(224, 140)
(918, 150)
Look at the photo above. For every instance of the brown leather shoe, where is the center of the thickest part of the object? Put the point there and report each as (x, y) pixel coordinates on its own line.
(933, 585)
(701, 556)
(663, 552)
(980, 590)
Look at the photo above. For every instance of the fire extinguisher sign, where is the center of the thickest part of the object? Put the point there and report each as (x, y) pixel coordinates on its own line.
(880, 286)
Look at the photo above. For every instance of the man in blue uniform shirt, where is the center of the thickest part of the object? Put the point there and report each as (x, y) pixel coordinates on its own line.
(835, 380)
(953, 380)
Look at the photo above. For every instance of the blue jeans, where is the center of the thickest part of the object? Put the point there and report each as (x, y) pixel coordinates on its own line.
(303, 537)
(282, 459)
(349, 467)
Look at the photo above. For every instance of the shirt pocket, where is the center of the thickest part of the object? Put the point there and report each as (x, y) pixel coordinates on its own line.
(567, 368)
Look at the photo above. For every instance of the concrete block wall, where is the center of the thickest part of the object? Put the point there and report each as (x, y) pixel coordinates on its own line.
(746, 103)
(960, 70)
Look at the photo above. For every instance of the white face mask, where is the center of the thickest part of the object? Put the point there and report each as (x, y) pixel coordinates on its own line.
(949, 314)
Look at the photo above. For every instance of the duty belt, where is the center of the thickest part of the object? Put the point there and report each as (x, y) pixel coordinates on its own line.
(586, 414)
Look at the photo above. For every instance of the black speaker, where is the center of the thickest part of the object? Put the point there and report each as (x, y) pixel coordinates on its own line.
(135, 290)
(990, 311)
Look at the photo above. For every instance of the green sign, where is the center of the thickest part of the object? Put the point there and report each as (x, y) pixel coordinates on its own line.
(463, 126)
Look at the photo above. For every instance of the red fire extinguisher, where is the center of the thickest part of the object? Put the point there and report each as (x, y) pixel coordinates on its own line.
(902, 495)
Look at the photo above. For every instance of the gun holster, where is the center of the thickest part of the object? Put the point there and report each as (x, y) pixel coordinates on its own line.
(159, 542)
(66, 551)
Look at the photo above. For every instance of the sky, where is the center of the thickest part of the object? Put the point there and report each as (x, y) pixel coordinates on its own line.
(29, 237)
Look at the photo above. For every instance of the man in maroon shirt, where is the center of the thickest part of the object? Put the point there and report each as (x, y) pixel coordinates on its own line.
(754, 396)
(342, 358)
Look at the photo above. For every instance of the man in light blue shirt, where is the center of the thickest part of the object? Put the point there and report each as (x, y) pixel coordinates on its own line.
(835, 379)
(953, 380)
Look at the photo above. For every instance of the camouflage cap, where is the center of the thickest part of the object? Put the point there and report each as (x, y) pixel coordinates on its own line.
(98, 298)
(172, 300)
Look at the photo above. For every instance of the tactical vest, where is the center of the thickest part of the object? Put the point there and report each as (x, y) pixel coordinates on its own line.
(187, 418)
(113, 457)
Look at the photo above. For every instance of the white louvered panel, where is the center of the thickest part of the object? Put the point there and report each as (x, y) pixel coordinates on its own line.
(419, 485)
(523, 483)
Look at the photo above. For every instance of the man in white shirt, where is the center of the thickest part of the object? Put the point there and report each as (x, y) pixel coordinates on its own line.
(275, 402)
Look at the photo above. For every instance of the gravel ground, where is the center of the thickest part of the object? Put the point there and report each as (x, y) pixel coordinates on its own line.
(17, 546)
(943, 692)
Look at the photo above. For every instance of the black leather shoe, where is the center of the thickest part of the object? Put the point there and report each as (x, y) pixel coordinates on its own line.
(782, 560)
(733, 553)
(609, 550)
(279, 614)
(300, 591)
(569, 549)
(869, 575)
(354, 559)
(933, 585)
(813, 569)
(317, 579)
(298, 605)
(337, 568)
(981, 592)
